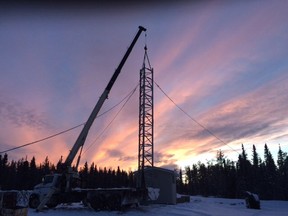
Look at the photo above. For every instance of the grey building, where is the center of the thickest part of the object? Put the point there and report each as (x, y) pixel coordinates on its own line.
(161, 185)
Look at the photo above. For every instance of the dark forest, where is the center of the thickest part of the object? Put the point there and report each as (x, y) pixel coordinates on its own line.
(229, 179)
(220, 177)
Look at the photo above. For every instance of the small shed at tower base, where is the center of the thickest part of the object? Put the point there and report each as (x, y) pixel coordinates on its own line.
(161, 185)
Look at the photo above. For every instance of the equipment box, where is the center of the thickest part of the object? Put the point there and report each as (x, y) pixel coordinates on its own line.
(14, 203)
(14, 212)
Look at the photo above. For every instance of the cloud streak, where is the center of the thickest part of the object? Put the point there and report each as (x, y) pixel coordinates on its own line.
(224, 63)
(17, 114)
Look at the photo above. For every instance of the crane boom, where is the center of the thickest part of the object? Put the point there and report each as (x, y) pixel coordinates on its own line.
(82, 136)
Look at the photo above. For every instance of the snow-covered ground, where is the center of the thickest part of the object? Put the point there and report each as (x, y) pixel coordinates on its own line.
(202, 206)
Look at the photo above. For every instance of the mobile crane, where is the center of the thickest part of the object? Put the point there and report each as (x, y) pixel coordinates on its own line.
(62, 187)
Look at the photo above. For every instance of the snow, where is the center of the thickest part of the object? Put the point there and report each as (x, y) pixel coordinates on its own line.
(200, 206)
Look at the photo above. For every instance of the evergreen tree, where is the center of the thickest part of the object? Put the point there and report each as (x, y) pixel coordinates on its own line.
(84, 175)
(93, 176)
(231, 182)
(282, 176)
(219, 175)
(281, 159)
(4, 178)
(23, 177)
(34, 174)
(46, 169)
(268, 159)
(11, 180)
(204, 188)
(60, 164)
(190, 179)
(255, 158)
(243, 173)
(119, 178)
(255, 172)
(269, 174)
(285, 177)
(179, 182)
(220, 158)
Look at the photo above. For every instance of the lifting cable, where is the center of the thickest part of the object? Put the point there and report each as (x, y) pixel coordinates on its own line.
(40, 140)
(194, 120)
(110, 123)
(72, 128)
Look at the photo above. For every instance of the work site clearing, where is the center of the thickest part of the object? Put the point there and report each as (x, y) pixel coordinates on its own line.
(203, 206)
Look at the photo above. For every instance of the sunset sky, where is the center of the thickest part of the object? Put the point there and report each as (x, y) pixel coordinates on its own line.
(225, 63)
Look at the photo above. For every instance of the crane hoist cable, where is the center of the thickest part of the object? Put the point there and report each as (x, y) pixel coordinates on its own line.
(110, 123)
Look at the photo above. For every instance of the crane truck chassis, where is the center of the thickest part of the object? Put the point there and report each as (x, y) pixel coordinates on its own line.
(63, 187)
(98, 199)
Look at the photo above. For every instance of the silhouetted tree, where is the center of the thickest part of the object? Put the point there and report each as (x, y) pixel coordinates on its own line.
(203, 185)
(281, 159)
(23, 176)
(84, 175)
(243, 173)
(179, 183)
(231, 182)
(255, 158)
(269, 174)
(255, 172)
(34, 174)
(282, 176)
(4, 169)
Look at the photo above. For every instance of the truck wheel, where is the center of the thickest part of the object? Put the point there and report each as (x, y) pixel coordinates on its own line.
(114, 202)
(247, 203)
(85, 202)
(52, 204)
(96, 203)
(34, 201)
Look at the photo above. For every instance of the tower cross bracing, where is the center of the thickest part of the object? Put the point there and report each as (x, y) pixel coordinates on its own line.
(146, 118)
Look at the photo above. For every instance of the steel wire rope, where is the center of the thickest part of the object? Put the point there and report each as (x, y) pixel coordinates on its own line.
(110, 123)
(67, 130)
(40, 140)
(193, 119)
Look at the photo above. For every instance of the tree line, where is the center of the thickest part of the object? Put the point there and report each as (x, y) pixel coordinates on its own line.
(24, 174)
(221, 177)
(229, 179)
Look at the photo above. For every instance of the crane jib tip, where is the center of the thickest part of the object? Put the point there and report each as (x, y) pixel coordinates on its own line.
(142, 28)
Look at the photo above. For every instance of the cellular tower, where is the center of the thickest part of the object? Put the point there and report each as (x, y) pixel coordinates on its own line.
(146, 118)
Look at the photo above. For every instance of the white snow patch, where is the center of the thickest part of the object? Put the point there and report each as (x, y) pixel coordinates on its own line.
(200, 206)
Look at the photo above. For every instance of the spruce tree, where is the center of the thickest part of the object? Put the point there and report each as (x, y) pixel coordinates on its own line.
(34, 174)
(269, 174)
(243, 173)
(281, 159)
(281, 184)
(4, 169)
(255, 158)
(180, 184)
(84, 175)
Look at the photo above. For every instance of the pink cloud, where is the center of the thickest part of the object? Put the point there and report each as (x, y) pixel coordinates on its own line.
(195, 56)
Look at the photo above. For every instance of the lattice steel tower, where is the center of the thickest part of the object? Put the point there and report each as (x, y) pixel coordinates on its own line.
(146, 119)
